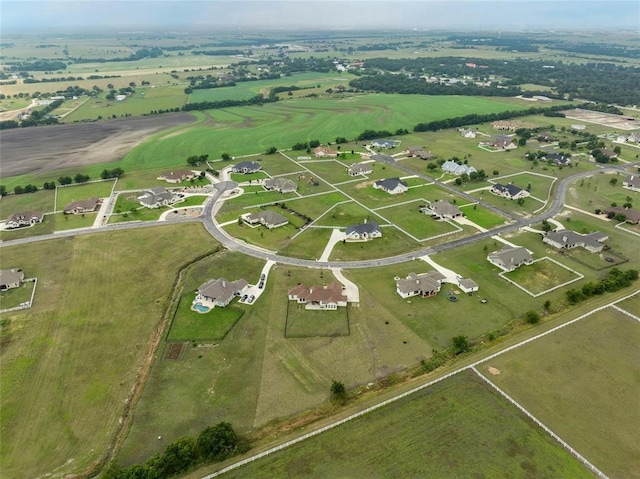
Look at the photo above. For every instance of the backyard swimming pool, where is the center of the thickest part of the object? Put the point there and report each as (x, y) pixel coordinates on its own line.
(200, 308)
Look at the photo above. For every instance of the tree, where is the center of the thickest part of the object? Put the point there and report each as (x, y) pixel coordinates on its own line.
(546, 227)
(547, 305)
(520, 201)
(18, 190)
(226, 157)
(65, 180)
(271, 150)
(532, 317)
(3, 190)
(80, 178)
(496, 172)
(460, 344)
(338, 391)
(218, 442)
(613, 181)
(617, 150)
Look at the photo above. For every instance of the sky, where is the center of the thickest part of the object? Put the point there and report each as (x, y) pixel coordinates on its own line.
(48, 16)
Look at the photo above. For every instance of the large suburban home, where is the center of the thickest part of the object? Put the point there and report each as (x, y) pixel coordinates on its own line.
(385, 143)
(330, 296)
(423, 285)
(177, 176)
(632, 216)
(509, 191)
(568, 239)
(468, 133)
(10, 278)
(267, 218)
(632, 183)
(505, 125)
(467, 285)
(454, 168)
(510, 257)
(281, 185)
(157, 198)
(323, 151)
(363, 232)
(557, 159)
(629, 138)
(82, 206)
(500, 142)
(360, 169)
(393, 186)
(441, 210)
(246, 167)
(420, 152)
(220, 292)
(27, 218)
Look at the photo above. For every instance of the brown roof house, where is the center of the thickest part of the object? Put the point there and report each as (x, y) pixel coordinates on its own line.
(267, 218)
(500, 142)
(632, 216)
(177, 176)
(27, 218)
(220, 292)
(360, 169)
(327, 297)
(322, 151)
(10, 278)
(423, 285)
(420, 152)
(441, 210)
(281, 185)
(157, 197)
(510, 257)
(83, 206)
(568, 239)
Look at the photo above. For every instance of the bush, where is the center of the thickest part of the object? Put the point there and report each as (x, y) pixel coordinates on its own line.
(532, 317)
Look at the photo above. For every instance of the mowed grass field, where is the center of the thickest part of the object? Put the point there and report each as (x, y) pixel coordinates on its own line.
(74, 357)
(582, 382)
(456, 428)
(541, 276)
(68, 194)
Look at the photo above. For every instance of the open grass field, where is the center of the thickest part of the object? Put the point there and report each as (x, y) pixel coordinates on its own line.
(393, 242)
(528, 208)
(309, 244)
(68, 194)
(541, 276)
(631, 305)
(540, 185)
(421, 226)
(597, 192)
(305, 323)
(272, 239)
(50, 223)
(582, 383)
(16, 296)
(189, 325)
(82, 343)
(348, 214)
(482, 216)
(456, 428)
(41, 200)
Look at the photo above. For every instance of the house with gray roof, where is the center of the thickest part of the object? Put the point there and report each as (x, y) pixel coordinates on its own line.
(246, 167)
(360, 169)
(10, 278)
(385, 143)
(557, 159)
(363, 232)
(510, 257)
(442, 210)
(177, 176)
(468, 285)
(268, 218)
(27, 218)
(420, 152)
(393, 186)
(454, 168)
(423, 285)
(568, 239)
(632, 183)
(82, 206)
(220, 292)
(157, 197)
(281, 185)
(510, 191)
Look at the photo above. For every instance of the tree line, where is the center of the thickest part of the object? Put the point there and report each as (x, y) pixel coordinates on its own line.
(615, 280)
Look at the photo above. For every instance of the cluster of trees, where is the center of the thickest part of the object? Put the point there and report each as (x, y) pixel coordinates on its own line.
(306, 145)
(214, 444)
(479, 175)
(36, 118)
(211, 105)
(38, 65)
(615, 280)
(63, 180)
(195, 160)
(152, 52)
(220, 53)
(114, 173)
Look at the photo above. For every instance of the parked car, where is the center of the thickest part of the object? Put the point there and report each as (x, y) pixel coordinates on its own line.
(251, 298)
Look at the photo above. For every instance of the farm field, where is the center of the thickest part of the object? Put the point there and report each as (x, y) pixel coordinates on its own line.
(582, 383)
(53, 350)
(419, 436)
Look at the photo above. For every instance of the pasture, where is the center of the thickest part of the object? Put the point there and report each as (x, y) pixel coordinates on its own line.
(83, 342)
(456, 428)
(582, 383)
(598, 192)
(306, 323)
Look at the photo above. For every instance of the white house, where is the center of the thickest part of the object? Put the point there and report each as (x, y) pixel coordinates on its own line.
(510, 257)
(423, 285)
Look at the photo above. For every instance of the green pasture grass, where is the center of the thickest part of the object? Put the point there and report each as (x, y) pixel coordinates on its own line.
(482, 216)
(309, 184)
(393, 242)
(595, 261)
(540, 276)
(596, 192)
(348, 214)
(527, 208)
(160, 64)
(316, 206)
(273, 239)
(309, 244)
(248, 177)
(421, 436)
(280, 164)
(330, 170)
(69, 222)
(580, 382)
(632, 305)
(540, 186)
(13, 103)
(82, 343)
(191, 201)
(189, 325)
(305, 323)
(68, 194)
(41, 200)
(409, 218)
(16, 296)
(365, 193)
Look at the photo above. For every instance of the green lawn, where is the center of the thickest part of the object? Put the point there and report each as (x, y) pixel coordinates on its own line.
(582, 383)
(456, 428)
(41, 200)
(632, 305)
(348, 214)
(305, 323)
(16, 296)
(482, 216)
(68, 194)
(309, 244)
(393, 242)
(422, 226)
(189, 325)
(597, 192)
(540, 276)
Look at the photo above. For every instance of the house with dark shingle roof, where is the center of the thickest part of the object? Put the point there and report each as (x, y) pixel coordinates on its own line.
(267, 218)
(510, 191)
(327, 297)
(632, 183)
(393, 186)
(363, 232)
(157, 197)
(423, 285)
(442, 209)
(82, 206)
(557, 159)
(220, 292)
(510, 257)
(27, 218)
(246, 167)
(281, 185)
(632, 216)
(568, 239)
(10, 278)
(385, 143)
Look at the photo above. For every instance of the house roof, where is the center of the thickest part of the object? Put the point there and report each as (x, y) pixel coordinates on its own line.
(444, 208)
(569, 237)
(454, 168)
(633, 180)
(177, 175)
(11, 276)
(364, 228)
(154, 196)
(556, 157)
(86, 205)
(25, 216)
(222, 290)
(325, 151)
(360, 168)
(280, 184)
(301, 291)
(468, 283)
(268, 217)
(247, 165)
(510, 188)
(511, 255)
(420, 282)
(630, 213)
(330, 293)
(386, 143)
(390, 183)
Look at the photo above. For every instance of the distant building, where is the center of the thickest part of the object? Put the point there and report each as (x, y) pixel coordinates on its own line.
(557, 159)
(246, 167)
(468, 285)
(510, 191)
(267, 218)
(468, 133)
(360, 169)
(10, 278)
(177, 176)
(505, 125)
(281, 185)
(632, 183)
(157, 197)
(386, 144)
(83, 206)
(454, 168)
(442, 210)
(322, 151)
(220, 292)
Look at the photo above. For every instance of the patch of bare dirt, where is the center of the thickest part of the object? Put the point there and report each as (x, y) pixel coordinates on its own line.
(47, 148)
(494, 371)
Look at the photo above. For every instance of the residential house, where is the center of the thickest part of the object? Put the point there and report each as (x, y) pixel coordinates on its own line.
(10, 278)
(220, 292)
(500, 142)
(246, 167)
(606, 152)
(454, 168)
(578, 127)
(442, 210)
(363, 232)
(505, 125)
(177, 176)
(27, 218)
(509, 191)
(510, 257)
(419, 152)
(467, 285)
(267, 218)
(281, 185)
(322, 151)
(385, 143)
(629, 138)
(557, 159)
(468, 133)
(83, 206)
(393, 186)
(568, 239)
(632, 216)
(360, 169)
(157, 197)
(632, 183)
(423, 285)
(327, 297)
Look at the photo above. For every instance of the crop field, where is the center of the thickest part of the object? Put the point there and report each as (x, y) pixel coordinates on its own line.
(68, 194)
(421, 436)
(541, 276)
(304, 323)
(54, 345)
(189, 325)
(582, 383)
